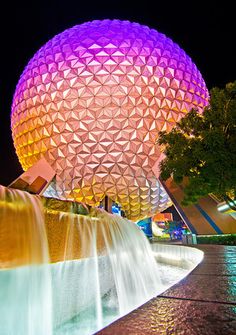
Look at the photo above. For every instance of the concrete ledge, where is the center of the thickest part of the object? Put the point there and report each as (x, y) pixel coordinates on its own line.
(177, 255)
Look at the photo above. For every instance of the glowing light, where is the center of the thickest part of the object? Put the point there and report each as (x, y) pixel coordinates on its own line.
(92, 100)
(225, 208)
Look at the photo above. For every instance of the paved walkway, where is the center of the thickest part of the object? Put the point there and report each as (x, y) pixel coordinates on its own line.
(204, 303)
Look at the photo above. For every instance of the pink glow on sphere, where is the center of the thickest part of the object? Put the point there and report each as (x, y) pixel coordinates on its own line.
(92, 101)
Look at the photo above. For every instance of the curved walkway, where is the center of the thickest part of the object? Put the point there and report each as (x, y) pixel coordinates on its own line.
(204, 303)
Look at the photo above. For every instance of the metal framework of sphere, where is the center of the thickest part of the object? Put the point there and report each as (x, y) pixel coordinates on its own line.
(92, 101)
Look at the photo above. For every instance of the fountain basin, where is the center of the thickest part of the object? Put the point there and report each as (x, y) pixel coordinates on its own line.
(73, 287)
(70, 274)
(174, 263)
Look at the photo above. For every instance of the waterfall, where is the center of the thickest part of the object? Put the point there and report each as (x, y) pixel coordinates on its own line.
(69, 274)
(25, 277)
(116, 271)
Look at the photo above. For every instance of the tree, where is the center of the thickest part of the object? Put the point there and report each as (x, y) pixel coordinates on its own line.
(202, 147)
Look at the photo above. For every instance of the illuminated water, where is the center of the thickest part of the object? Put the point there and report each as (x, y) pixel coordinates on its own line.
(108, 269)
(84, 322)
(25, 291)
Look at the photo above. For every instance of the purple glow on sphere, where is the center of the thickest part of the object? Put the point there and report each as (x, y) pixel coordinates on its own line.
(92, 101)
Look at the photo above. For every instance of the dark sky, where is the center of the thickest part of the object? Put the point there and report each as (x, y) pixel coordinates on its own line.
(207, 33)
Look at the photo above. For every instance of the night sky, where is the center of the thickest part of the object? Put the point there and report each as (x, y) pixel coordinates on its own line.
(206, 32)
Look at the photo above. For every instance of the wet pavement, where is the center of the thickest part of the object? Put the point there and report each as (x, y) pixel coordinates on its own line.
(203, 303)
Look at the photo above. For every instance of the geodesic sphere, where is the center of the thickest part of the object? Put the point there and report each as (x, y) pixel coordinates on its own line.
(92, 101)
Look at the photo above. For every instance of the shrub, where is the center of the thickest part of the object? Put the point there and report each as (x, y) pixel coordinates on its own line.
(227, 239)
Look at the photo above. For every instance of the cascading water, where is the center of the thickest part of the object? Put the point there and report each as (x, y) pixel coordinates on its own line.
(25, 279)
(116, 272)
(100, 267)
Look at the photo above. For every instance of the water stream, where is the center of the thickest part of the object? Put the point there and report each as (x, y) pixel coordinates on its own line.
(101, 267)
(25, 274)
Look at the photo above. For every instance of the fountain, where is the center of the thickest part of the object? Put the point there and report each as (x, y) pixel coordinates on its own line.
(64, 273)
(25, 278)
